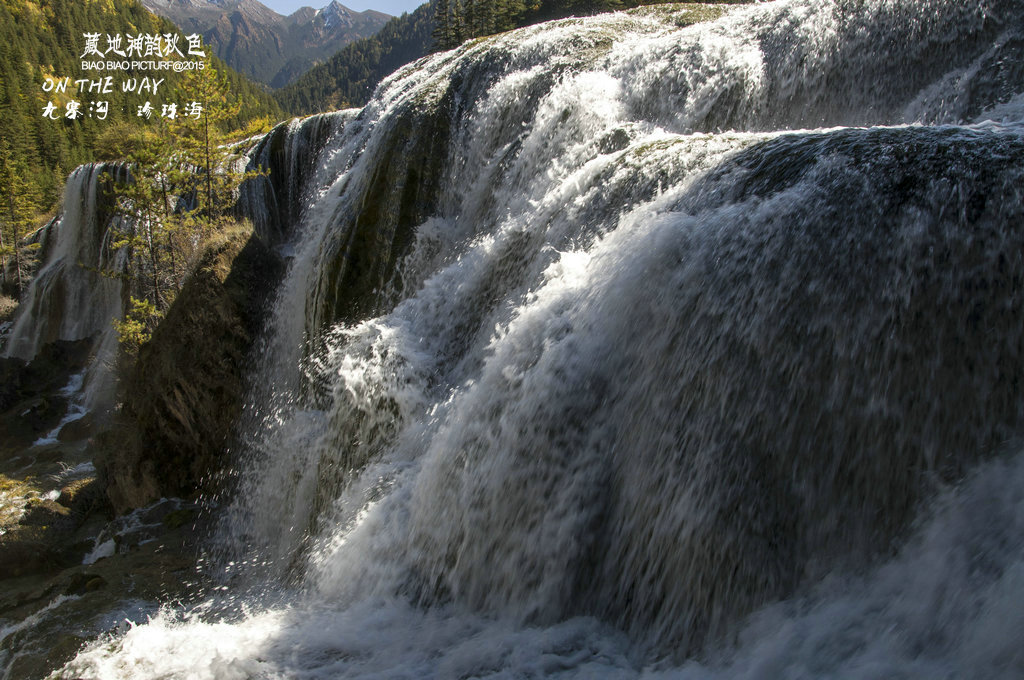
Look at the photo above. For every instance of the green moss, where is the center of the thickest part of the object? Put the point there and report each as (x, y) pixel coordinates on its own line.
(8, 306)
(14, 494)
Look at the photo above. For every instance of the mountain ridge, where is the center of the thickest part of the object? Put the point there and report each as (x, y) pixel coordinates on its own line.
(269, 47)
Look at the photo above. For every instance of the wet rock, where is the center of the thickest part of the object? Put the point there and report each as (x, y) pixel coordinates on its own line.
(26, 551)
(46, 537)
(30, 400)
(83, 602)
(179, 518)
(77, 430)
(75, 552)
(42, 413)
(84, 496)
(616, 140)
(40, 664)
(84, 582)
(11, 370)
(42, 512)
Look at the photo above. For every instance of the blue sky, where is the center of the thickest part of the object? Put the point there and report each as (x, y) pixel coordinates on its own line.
(394, 7)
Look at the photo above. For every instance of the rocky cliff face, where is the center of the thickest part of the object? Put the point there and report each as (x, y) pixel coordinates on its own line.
(184, 394)
(262, 44)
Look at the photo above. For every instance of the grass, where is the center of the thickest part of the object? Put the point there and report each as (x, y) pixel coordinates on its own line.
(8, 306)
(13, 494)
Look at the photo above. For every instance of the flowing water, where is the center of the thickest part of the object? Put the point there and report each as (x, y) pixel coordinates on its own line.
(619, 347)
(78, 292)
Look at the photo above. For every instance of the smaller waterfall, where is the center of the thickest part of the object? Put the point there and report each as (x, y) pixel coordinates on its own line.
(289, 155)
(77, 293)
(81, 288)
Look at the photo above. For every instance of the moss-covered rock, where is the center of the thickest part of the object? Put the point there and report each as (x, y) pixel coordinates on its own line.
(82, 496)
(184, 392)
(39, 535)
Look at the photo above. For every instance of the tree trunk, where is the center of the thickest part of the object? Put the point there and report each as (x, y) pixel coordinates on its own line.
(17, 244)
(154, 262)
(3, 261)
(209, 170)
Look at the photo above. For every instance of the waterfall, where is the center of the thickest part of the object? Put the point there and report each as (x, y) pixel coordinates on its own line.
(289, 157)
(77, 293)
(623, 347)
(82, 288)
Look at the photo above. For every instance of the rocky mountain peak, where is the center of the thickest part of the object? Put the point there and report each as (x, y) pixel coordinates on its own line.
(264, 45)
(336, 14)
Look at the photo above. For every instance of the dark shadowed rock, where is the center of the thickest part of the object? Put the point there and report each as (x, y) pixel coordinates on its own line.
(184, 394)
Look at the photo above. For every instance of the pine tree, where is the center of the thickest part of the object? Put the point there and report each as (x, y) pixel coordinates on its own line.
(442, 24)
(144, 201)
(201, 131)
(511, 14)
(19, 207)
(182, 188)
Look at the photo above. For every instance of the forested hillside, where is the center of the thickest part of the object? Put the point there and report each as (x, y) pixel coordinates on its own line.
(40, 39)
(349, 77)
(264, 45)
(459, 20)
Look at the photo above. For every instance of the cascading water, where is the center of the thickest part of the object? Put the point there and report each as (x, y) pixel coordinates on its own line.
(592, 362)
(77, 293)
(289, 155)
(81, 288)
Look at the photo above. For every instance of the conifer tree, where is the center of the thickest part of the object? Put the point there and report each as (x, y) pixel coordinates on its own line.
(144, 200)
(442, 34)
(181, 189)
(201, 132)
(19, 207)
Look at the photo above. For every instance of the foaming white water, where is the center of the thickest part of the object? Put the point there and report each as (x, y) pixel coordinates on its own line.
(619, 380)
(945, 607)
(76, 409)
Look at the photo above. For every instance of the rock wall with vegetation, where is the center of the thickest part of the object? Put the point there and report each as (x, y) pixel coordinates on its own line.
(184, 392)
